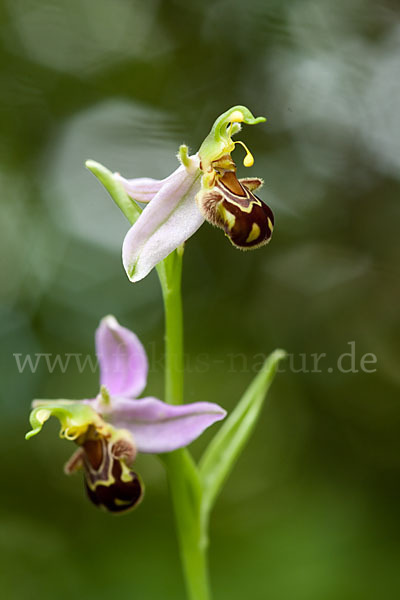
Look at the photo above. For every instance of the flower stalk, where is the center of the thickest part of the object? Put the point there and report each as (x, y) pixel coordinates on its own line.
(170, 275)
(203, 187)
(186, 494)
(183, 474)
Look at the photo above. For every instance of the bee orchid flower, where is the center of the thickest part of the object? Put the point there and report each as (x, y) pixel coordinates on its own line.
(111, 428)
(203, 187)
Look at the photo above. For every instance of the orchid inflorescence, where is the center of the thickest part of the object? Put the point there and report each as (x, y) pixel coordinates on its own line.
(111, 428)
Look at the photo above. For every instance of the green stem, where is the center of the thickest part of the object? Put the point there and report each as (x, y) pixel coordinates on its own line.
(183, 474)
(170, 274)
(184, 483)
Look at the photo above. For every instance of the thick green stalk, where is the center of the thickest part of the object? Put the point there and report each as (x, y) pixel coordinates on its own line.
(170, 274)
(185, 488)
(183, 475)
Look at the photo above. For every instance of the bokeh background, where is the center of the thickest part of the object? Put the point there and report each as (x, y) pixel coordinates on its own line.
(312, 509)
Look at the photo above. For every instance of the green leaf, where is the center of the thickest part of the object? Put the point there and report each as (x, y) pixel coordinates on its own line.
(116, 190)
(222, 453)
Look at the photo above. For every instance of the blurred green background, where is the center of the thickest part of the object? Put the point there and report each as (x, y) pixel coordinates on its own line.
(312, 509)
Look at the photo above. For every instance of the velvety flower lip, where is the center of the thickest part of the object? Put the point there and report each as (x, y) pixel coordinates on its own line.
(168, 221)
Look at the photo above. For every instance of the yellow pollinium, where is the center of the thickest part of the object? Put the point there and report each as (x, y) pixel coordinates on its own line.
(248, 160)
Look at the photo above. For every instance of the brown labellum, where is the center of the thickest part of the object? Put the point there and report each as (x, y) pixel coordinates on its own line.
(109, 483)
(232, 206)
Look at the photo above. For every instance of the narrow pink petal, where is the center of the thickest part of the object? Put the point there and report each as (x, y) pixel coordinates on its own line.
(143, 189)
(122, 359)
(159, 427)
(169, 220)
